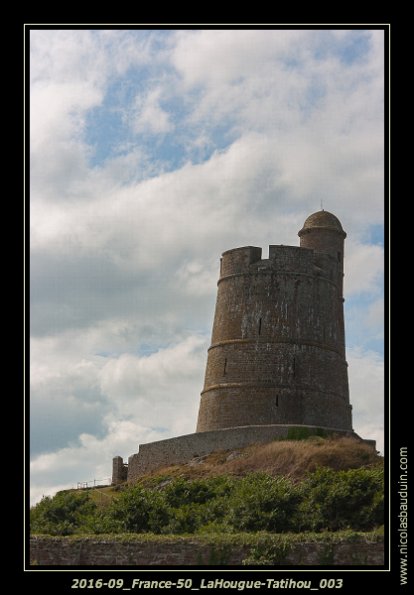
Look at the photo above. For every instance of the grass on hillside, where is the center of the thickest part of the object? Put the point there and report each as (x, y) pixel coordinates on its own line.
(287, 486)
(288, 458)
(293, 459)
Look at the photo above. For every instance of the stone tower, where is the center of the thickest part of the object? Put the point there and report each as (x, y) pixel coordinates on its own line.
(276, 366)
(277, 353)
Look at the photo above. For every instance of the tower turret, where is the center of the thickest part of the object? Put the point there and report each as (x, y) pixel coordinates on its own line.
(322, 232)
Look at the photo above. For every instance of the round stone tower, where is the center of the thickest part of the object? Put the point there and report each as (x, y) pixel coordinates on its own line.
(277, 352)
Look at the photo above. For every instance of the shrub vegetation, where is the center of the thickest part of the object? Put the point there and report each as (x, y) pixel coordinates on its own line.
(325, 500)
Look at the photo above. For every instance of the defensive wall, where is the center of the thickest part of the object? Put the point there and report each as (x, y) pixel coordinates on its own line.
(181, 449)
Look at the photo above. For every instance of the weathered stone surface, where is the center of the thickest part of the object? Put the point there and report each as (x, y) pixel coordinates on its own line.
(277, 352)
(185, 551)
(182, 449)
(119, 470)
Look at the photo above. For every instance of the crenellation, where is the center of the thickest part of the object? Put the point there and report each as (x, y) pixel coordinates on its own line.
(238, 260)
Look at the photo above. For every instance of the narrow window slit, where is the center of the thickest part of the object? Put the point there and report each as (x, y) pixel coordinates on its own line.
(225, 367)
(277, 400)
(260, 325)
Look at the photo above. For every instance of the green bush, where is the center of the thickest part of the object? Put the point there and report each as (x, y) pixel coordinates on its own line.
(343, 499)
(197, 504)
(137, 510)
(326, 500)
(64, 514)
(198, 491)
(185, 519)
(263, 503)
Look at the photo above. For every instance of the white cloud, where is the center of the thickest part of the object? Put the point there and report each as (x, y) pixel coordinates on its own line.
(161, 388)
(375, 318)
(149, 116)
(91, 459)
(366, 381)
(227, 198)
(364, 268)
(70, 74)
(278, 78)
(197, 279)
(214, 57)
(152, 397)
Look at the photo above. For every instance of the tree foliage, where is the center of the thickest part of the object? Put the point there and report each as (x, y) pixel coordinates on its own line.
(64, 514)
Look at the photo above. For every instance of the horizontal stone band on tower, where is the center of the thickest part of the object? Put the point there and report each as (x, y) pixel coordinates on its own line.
(260, 340)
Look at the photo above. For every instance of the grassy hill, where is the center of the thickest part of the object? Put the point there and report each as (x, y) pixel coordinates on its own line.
(290, 458)
(286, 486)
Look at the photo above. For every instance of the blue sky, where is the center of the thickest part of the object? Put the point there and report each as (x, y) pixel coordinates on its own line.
(152, 152)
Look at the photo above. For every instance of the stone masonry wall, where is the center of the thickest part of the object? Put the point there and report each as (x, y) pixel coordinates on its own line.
(180, 551)
(182, 449)
(119, 470)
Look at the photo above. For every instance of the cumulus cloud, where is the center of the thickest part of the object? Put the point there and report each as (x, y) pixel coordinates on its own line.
(158, 386)
(364, 268)
(151, 397)
(149, 115)
(213, 139)
(65, 467)
(375, 318)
